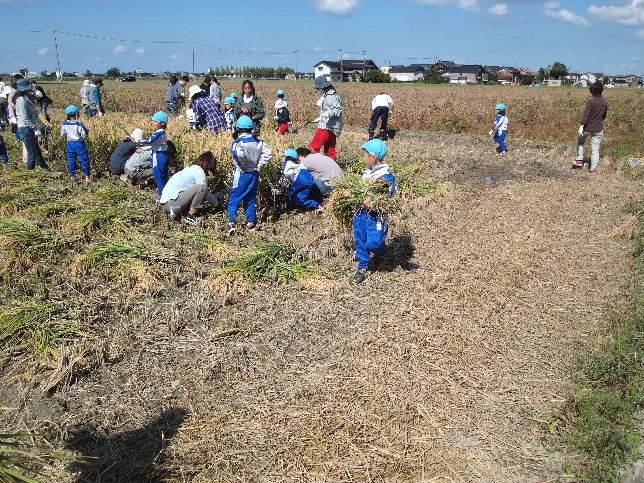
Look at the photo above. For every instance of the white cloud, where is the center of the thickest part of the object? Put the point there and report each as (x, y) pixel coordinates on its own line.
(640, 34)
(119, 49)
(336, 7)
(472, 5)
(626, 14)
(174, 56)
(317, 49)
(499, 9)
(551, 5)
(43, 51)
(564, 15)
(140, 50)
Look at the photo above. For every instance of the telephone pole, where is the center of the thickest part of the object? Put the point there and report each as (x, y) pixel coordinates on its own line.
(296, 55)
(60, 74)
(341, 72)
(364, 60)
(193, 60)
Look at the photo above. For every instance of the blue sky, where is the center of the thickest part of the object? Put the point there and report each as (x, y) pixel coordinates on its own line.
(601, 35)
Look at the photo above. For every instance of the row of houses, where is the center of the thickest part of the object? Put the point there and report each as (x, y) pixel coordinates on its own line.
(355, 70)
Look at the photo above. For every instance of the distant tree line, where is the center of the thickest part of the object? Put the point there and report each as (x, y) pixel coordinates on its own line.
(251, 72)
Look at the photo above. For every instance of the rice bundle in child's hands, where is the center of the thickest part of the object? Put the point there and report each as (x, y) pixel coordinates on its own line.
(350, 194)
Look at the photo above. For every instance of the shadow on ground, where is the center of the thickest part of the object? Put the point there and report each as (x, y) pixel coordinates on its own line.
(133, 456)
(400, 251)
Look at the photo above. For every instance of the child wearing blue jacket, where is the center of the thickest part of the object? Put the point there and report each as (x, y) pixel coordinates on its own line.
(249, 155)
(76, 134)
(159, 144)
(303, 191)
(500, 129)
(370, 227)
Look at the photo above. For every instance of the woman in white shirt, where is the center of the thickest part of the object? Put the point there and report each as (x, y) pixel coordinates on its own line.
(187, 190)
(381, 106)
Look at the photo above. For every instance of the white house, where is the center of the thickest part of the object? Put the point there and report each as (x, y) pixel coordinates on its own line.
(467, 74)
(329, 69)
(401, 73)
(352, 70)
(590, 78)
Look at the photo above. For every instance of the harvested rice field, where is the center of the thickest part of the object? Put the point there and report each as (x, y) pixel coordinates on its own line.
(156, 351)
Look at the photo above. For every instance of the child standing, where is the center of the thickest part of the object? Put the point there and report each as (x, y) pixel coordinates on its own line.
(159, 144)
(249, 155)
(369, 226)
(500, 129)
(76, 134)
(282, 115)
(303, 190)
(229, 115)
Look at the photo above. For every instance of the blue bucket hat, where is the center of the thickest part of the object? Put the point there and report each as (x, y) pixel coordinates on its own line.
(500, 107)
(280, 92)
(23, 85)
(160, 117)
(377, 148)
(72, 110)
(229, 101)
(291, 153)
(233, 94)
(244, 122)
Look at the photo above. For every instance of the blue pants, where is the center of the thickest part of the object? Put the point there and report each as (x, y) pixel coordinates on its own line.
(499, 137)
(34, 155)
(369, 232)
(382, 113)
(4, 156)
(243, 191)
(160, 163)
(77, 150)
(92, 112)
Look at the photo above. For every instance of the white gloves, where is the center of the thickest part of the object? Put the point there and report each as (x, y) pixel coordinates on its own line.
(491, 132)
(581, 130)
(317, 119)
(100, 113)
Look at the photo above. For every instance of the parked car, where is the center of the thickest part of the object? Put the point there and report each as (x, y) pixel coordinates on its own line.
(128, 78)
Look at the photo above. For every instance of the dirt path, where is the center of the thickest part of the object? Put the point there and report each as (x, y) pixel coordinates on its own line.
(434, 370)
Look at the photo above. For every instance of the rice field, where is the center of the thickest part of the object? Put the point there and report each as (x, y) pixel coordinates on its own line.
(155, 351)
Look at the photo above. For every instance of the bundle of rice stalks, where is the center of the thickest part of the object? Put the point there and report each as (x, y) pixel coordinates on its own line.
(203, 240)
(37, 327)
(19, 457)
(114, 255)
(94, 220)
(281, 263)
(409, 181)
(19, 232)
(350, 194)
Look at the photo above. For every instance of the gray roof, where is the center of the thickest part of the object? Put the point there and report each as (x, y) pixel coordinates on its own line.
(349, 64)
(412, 69)
(466, 69)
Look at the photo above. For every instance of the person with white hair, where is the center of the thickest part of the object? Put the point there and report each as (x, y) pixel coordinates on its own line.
(123, 151)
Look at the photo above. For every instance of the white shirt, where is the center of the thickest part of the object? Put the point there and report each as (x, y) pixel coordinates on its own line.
(181, 181)
(382, 100)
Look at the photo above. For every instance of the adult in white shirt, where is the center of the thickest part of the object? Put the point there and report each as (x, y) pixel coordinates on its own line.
(325, 171)
(187, 190)
(381, 106)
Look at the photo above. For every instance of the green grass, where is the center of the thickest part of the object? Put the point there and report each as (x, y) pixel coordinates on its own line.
(37, 327)
(114, 255)
(19, 458)
(281, 263)
(603, 429)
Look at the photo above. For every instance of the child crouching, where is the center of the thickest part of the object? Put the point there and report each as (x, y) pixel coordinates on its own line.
(303, 191)
(249, 155)
(76, 134)
(369, 226)
(160, 157)
(500, 129)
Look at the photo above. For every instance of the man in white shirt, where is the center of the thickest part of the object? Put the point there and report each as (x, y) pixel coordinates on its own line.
(381, 106)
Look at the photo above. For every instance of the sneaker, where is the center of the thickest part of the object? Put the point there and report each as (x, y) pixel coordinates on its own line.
(359, 277)
(578, 163)
(231, 229)
(175, 211)
(593, 171)
(191, 220)
(251, 226)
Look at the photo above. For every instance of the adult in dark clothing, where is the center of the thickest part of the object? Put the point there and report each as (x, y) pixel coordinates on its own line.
(249, 104)
(43, 100)
(592, 125)
(124, 151)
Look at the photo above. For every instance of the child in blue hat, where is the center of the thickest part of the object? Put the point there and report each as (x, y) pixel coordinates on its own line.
(159, 143)
(282, 114)
(249, 155)
(369, 226)
(303, 191)
(76, 134)
(229, 113)
(500, 129)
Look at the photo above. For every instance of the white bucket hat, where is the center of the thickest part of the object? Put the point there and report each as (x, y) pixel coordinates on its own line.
(193, 90)
(137, 135)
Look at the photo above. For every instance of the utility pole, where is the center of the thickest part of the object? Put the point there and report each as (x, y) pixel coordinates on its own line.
(60, 74)
(364, 60)
(193, 60)
(341, 71)
(296, 55)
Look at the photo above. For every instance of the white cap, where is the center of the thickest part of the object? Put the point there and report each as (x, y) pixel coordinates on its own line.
(137, 135)
(86, 82)
(193, 90)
